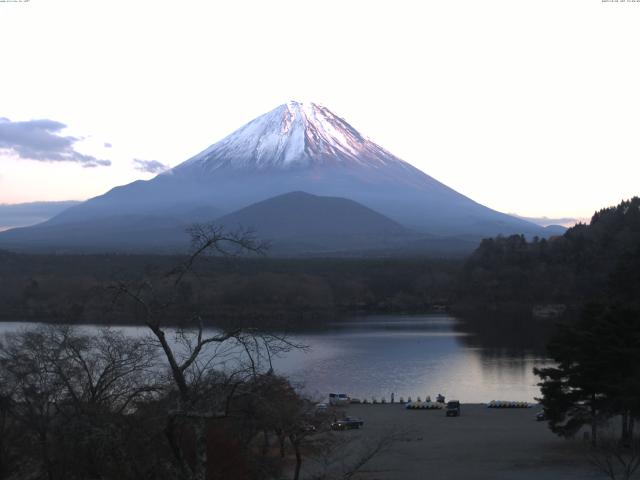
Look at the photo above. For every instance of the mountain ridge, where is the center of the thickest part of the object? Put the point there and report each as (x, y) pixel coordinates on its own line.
(302, 147)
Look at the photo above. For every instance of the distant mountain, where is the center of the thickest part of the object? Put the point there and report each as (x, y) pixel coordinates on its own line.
(24, 214)
(164, 232)
(295, 223)
(554, 230)
(301, 147)
(301, 221)
(119, 233)
(566, 222)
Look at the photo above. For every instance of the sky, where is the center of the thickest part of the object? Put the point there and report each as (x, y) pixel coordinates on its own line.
(525, 106)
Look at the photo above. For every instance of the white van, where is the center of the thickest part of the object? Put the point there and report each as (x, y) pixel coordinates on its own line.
(339, 399)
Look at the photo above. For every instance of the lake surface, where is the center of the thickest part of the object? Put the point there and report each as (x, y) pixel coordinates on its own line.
(407, 355)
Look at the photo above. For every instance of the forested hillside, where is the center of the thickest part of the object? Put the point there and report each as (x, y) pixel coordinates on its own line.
(76, 287)
(586, 263)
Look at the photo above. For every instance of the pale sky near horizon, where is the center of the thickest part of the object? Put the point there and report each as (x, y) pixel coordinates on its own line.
(525, 106)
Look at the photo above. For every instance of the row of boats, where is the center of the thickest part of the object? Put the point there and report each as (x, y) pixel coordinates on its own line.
(492, 404)
(343, 399)
(508, 404)
(425, 405)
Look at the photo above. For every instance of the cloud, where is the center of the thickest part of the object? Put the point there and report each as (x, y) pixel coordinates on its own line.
(40, 140)
(150, 166)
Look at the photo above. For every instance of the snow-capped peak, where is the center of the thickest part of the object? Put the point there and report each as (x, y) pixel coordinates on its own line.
(293, 135)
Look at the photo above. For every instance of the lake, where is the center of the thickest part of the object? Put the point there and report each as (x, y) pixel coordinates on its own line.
(413, 356)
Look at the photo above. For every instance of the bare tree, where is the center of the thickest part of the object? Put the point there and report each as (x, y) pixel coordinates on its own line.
(195, 352)
(7, 442)
(107, 371)
(36, 390)
(280, 409)
(89, 406)
(616, 459)
(58, 381)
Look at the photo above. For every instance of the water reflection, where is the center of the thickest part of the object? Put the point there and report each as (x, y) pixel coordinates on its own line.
(410, 356)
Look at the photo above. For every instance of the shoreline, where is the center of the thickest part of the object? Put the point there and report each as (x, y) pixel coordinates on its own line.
(481, 444)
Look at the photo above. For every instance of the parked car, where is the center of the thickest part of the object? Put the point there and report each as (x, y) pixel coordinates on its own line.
(540, 416)
(453, 408)
(339, 399)
(347, 423)
(321, 406)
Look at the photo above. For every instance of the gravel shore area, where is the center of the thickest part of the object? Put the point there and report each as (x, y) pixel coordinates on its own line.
(483, 443)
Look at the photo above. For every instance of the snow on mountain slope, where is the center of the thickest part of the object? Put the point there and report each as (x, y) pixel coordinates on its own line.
(293, 135)
(301, 146)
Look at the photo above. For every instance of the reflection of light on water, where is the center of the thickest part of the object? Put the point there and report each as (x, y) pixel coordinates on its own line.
(416, 357)
(410, 356)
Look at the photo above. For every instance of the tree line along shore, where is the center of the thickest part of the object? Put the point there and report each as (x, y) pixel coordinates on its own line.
(130, 408)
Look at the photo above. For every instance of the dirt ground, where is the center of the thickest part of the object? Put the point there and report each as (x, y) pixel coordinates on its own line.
(483, 443)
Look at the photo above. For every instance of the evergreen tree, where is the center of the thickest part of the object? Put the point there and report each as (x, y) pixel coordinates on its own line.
(597, 374)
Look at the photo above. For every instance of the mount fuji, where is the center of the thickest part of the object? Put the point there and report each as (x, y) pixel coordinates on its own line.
(297, 147)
